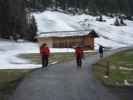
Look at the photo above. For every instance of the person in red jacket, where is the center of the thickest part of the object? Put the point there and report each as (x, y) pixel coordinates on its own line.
(44, 51)
(79, 55)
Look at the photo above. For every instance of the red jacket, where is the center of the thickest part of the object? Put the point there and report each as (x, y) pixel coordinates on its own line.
(45, 51)
(79, 52)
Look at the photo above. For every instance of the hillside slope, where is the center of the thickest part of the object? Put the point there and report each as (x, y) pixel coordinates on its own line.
(110, 36)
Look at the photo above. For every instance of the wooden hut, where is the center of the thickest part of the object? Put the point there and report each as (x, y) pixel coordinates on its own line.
(68, 39)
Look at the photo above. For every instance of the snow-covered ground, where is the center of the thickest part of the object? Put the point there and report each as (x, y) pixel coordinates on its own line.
(9, 50)
(110, 36)
(55, 21)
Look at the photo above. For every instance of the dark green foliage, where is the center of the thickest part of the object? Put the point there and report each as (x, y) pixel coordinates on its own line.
(3, 15)
(100, 19)
(13, 18)
(32, 30)
(94, 6)
(120, 21)
(117, 23)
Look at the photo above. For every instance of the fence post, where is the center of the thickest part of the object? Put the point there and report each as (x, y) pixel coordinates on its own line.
(108, 68)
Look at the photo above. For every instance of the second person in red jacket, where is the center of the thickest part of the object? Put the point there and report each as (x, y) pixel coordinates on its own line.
(79, 55)
(44, 51)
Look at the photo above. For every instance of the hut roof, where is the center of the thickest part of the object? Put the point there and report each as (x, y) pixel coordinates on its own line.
(68, 33)
(64, 33)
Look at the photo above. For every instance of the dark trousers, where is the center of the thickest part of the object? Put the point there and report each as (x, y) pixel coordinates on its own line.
(79, 61)
(101, 54)
(44, 61)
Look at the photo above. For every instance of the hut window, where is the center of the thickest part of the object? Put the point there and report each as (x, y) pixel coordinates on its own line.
(67, 42)
(55, 44)
(61, 44)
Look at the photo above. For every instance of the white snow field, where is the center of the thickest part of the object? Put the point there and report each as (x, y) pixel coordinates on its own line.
(110, 36)
(48, 21)
(9, 50)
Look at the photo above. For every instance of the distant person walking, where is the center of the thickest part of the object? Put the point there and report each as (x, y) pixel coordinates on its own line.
(79, 56)
(44, 51)
(101, 51)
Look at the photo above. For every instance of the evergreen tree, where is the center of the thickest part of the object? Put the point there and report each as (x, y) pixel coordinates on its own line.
(13, 19)
(32, 30)
(4, 18)
(95, 6)
(117, 23)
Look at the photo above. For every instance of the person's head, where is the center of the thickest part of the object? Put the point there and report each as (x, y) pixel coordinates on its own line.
(99, 45)
(77, 46)
(43, 45)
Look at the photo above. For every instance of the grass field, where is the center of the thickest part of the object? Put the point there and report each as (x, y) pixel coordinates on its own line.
(54, 57)
(9, 80)
(120, 67)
